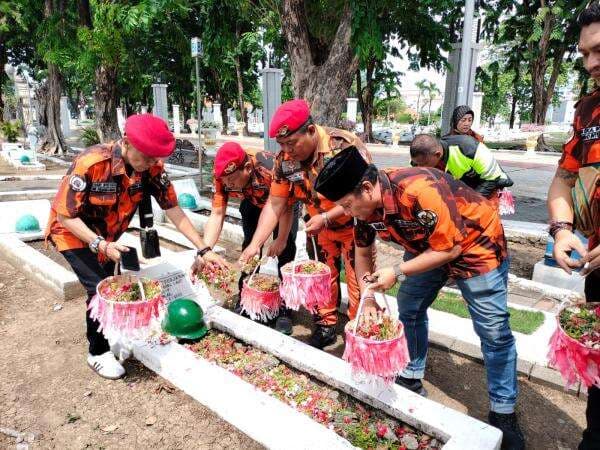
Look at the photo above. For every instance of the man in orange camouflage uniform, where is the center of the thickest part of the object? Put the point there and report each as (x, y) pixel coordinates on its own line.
(95, 203)
(305, 148)
(247, 175)
(579, 168)
(447, 230)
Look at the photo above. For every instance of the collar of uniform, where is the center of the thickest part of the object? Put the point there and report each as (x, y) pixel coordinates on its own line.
(446, 150)
(118, 164)
(387, 195)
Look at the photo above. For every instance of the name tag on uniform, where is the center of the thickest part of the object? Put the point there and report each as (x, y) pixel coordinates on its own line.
(295, 177)
(259, 186)
(292, 170)
(590, 133)
(406, 223)
(104, 188)
(378, 226)
(232, 190)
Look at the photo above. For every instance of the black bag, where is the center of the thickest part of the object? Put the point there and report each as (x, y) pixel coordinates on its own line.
(148, 235)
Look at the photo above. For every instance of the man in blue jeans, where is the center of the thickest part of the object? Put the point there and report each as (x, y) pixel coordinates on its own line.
(448, 230)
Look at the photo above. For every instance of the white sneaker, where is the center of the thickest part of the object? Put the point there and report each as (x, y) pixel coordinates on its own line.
(106, 366)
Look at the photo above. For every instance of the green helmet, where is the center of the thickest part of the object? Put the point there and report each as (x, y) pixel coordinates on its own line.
(184, 319)
(187, 201)
(27, 223)
(24, 159)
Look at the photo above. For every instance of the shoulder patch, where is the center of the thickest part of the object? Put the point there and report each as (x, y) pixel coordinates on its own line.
(77, 183)
(427, 218)
(164, 179)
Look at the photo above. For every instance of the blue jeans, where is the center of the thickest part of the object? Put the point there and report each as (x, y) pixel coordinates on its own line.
(486, 297)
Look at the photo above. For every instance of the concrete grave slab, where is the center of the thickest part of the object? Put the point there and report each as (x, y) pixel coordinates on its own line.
(32, 194)
(12, 211)
(40, 268)
(187, 186)
(555, 276)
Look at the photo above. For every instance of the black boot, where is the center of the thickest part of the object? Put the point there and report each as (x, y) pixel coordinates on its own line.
(283, 323)
(412, 384)
(322, 336)
(512, 436)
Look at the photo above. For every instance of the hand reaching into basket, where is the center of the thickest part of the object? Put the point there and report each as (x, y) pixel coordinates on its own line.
(382, 279)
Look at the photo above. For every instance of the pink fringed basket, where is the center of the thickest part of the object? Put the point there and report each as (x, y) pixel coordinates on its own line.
(123, 319)
(572, 359)
(506, 202)
(311, 291)
(259, 305)
(371, 358)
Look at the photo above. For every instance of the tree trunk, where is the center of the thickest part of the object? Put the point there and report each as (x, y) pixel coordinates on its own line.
(429, 111)
(538, 70)
(367, 96)
(240, 85)
(224, 117)
(105, 99)
(3, 75)
(513, 111)
(53, 142)
(321, 76)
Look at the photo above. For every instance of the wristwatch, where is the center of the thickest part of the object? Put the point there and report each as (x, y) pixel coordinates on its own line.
(203, 251)
(95, 244)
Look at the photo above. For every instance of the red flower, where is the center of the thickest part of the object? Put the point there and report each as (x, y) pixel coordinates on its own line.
(381, 430)
(400, 431)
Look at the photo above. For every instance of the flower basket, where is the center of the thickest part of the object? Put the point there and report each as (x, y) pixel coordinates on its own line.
(215, 278)
(575, 345)
(376, 349)
(125, 306)
(506, 202)
(306, 284)
(260, 297)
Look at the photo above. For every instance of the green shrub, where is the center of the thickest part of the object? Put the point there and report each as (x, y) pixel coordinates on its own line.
(10, 130)
(90, 136)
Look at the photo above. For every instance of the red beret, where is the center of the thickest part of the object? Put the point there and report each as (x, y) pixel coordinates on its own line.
(228, 159)
(150, 135)
(289, 117)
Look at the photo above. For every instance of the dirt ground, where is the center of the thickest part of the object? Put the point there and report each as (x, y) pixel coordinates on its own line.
(48, 390)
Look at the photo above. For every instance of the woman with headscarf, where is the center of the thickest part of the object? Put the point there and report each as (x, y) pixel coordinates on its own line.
(462, 120)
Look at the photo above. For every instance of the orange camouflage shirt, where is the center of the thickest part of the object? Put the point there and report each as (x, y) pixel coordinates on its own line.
(427, 208)
(583, 149)
(98, 190)
(257, 191)
(295, 180)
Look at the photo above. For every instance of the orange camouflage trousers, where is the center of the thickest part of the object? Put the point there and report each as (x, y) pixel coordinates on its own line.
(335, 246)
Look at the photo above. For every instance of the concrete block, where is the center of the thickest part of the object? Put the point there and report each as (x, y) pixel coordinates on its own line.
(458, 430)
(12, 211)
(555, 276)
(232, 233)
(524, 367)
(34, 194)
(467, 349)
(262, 417)
(40, 268)
(441, 340)
(551, 377)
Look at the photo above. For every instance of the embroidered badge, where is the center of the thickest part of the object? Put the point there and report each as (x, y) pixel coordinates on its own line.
(164, 179)
(378, 226)
(590, 133)
(290, 166)
(231, 167)
(283, 131)
(427, 218)
(77, 183)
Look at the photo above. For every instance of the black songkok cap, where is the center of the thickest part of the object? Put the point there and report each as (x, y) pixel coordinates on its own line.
(341, 174)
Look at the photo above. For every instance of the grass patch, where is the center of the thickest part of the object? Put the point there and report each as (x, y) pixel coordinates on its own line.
(521, 321)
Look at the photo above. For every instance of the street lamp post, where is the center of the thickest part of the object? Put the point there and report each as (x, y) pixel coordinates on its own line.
(197, 52)
(464, 71)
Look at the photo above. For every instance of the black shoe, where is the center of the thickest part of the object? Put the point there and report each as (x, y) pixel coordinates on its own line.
(283, 323)
(322, 336)
(412, 384)
(512, 436)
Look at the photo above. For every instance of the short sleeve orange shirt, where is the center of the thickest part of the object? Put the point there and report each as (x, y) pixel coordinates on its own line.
(98, 190)
(257, 191)
(296, 181)
(428, 209)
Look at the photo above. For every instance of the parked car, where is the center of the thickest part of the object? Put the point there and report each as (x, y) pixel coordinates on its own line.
(383, 135)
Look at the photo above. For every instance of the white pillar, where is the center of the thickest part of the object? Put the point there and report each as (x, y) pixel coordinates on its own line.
(65, 117)
(144, 109)
(160, 109)
(217, 114)
(82, 113)
(176, 121)
(120, 119)
(351, 109)
(271, 82)
(476, 107)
